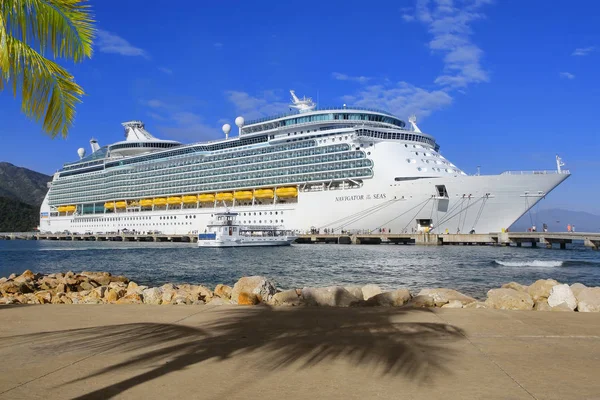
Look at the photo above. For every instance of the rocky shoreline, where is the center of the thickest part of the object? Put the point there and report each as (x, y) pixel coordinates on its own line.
(102, 288)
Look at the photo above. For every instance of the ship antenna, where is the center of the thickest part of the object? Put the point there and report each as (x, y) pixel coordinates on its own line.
(559, 164)
(413, 122)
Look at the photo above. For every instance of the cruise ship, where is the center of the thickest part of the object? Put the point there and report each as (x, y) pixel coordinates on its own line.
(342, 169)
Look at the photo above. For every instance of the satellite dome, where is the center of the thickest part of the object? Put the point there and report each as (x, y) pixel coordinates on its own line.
(81, 152)
(226, 129)
(239, 121)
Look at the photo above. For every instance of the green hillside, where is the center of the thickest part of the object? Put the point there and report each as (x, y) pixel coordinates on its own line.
(16, 216)
(22, 184)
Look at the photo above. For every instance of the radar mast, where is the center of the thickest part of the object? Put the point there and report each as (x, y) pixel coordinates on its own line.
(302, 105)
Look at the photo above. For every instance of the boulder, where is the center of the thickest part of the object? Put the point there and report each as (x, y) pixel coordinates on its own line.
(588, 300)
(442, 296)
(119, 278)
(86, 285)
(247, 299)
(509, 299)
(355, 291)
(26, 276)
(333, 296)
(395, 298)
(421, 302)
(12, 276)
(44, 296)
(476, 304)
(542, 305)
(577, 287)
(223, 291)
(130, 286)
(169, 291)
(541, 289)
(111, 296)
(560, 294)
(370, 290)
(131, 298)
(204, 293)
(101, 278)
(517, 286)
(14, 287)
(152, 296)
(218, 301)
(258, 285)
(562, 307)
(61, 288)
(454, 304)
(286, 298)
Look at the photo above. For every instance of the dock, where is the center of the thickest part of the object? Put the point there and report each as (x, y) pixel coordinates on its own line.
(533, 239)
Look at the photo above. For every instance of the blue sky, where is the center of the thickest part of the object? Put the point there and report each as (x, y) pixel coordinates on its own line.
(504, 84)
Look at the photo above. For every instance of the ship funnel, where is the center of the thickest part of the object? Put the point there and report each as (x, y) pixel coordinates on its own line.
(94, 144)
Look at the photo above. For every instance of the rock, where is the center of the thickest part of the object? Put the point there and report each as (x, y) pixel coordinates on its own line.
(44, 296)
(542, 305)
(442, 296)
(12, 276)
(131, 298)
(333, 296)
(560, 294)
(26, 276)
(258, 285)
(111, 296)
(218, 301)
(517, 286)
(247, 299)
(14, 287)
(454, 304)
(119, 278)
(86, 285)
(588, 300)
(286, 298)
(509, 299)
(562, 307)
(577, 287)
(395, 298)
(152, 296)
(101, 278)
(204, 293)
(198, 303)
(223, 291)
(541, 289)
(61, 288)
(476, 304)
(130, 286)
(355, 291)
(421, 302)
(181, 300)
(169, 291)
(370, 290)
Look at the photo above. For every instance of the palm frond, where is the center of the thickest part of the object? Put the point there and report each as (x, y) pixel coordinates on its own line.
(47, 89)
(4, 59)
(65, 27)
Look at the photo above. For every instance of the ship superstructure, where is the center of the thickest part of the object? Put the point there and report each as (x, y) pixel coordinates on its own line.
(344, 168)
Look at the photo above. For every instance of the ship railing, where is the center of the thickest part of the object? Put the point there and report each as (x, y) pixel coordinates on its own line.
(541, 172)
(347, 108)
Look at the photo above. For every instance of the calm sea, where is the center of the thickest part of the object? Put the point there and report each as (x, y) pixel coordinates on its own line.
(470, 269)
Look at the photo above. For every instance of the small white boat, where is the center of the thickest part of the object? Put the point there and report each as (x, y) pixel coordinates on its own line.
(224, 231)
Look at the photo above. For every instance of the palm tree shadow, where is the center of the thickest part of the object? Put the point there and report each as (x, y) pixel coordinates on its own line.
(375, 338)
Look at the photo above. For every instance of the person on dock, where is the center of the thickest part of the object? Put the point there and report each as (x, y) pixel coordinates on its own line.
(572, 228)
(545, 227)
(569, 228)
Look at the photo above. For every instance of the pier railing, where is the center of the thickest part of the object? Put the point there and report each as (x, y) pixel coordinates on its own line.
(541, 172)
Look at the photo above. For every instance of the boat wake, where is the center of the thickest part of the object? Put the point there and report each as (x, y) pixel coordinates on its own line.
(531, 263)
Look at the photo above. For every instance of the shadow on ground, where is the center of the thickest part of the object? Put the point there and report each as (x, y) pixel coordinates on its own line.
(374, 338)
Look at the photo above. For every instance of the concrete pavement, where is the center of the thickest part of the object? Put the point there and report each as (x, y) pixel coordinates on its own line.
(231, 352)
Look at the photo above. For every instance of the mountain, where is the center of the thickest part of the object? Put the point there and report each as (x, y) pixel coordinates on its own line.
(22, 184)
(557, 220)
(16, 216)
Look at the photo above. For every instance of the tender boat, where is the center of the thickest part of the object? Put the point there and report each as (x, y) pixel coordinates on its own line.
(225, 231)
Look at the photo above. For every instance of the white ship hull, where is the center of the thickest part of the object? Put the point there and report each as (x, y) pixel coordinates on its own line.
(393, 207)
(248, 242)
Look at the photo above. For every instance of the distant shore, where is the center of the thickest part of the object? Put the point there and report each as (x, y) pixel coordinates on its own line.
(102, 287)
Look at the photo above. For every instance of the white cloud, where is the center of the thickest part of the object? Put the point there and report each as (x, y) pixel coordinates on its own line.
(408, 17)
(218, 45)
(401, 99)
(154, 103)
(252, 107)
(583, 51)
(451, 33)
(166, 70)
(180, 124)
(111, 43)
(567, 75)
(344, 77)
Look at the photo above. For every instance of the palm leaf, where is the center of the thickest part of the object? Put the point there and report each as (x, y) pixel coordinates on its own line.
(63, 27)
(48, 90)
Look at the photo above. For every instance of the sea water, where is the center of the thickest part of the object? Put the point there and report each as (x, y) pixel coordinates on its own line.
(470, 269)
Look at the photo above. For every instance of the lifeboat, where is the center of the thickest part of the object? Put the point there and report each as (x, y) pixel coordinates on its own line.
(174, 200)
(264, 193)
(62, 209)
(70, 208)
(243, 195)
(286, 192)
(190, 199)
(146, 202)
(206, 198)
(224, 196)
(159, 201)
(134, 203)
(121, 204)
(108, 204)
